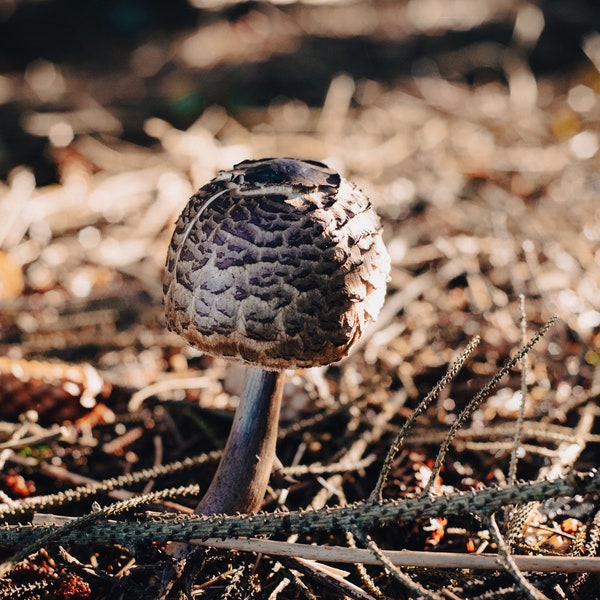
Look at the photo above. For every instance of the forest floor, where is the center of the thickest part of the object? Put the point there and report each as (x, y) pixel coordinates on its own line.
(483, 165)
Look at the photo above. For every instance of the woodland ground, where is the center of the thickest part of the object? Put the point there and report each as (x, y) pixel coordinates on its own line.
(473, 126)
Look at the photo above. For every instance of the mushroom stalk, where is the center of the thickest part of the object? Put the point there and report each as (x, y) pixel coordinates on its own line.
(243, 473)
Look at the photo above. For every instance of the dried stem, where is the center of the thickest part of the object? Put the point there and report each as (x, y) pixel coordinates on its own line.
(407, 558)
(76, 525)
(508, 562)
(415, 588)
(514, 458)
(361, 515)
(43, 503)
(452, 371)
(478, 398)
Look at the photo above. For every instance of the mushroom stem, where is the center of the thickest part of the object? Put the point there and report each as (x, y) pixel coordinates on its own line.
(242, 476)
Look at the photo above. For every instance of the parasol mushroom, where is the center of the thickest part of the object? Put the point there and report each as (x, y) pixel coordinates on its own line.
(278, 264)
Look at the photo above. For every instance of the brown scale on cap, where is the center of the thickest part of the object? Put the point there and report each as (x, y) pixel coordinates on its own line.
(278, 262)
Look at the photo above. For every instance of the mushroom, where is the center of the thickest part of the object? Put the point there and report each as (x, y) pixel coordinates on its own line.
(278, 264)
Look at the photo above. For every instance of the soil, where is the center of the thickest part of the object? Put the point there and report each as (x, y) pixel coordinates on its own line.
(473, 127)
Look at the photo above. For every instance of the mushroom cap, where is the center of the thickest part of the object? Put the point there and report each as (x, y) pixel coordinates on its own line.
(278, 263)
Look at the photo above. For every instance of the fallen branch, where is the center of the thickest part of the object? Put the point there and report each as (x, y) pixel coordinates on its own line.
(359, 516)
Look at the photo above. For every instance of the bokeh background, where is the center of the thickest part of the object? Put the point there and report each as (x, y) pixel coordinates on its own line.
(104, 68)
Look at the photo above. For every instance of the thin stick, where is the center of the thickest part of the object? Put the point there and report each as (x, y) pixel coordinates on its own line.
(92, 487)
(166, 385)
(406, 558)
(15, 443)
(414, 587)
(328, 578)
(514, 458)
(507, 561)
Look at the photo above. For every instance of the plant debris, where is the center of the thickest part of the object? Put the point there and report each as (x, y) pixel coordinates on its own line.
(483, 165)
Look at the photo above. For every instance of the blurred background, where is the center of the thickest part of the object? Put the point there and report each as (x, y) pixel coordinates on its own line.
(103, 68)
(471, 124)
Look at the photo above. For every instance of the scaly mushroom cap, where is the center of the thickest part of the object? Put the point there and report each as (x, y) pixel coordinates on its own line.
(278, 263)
